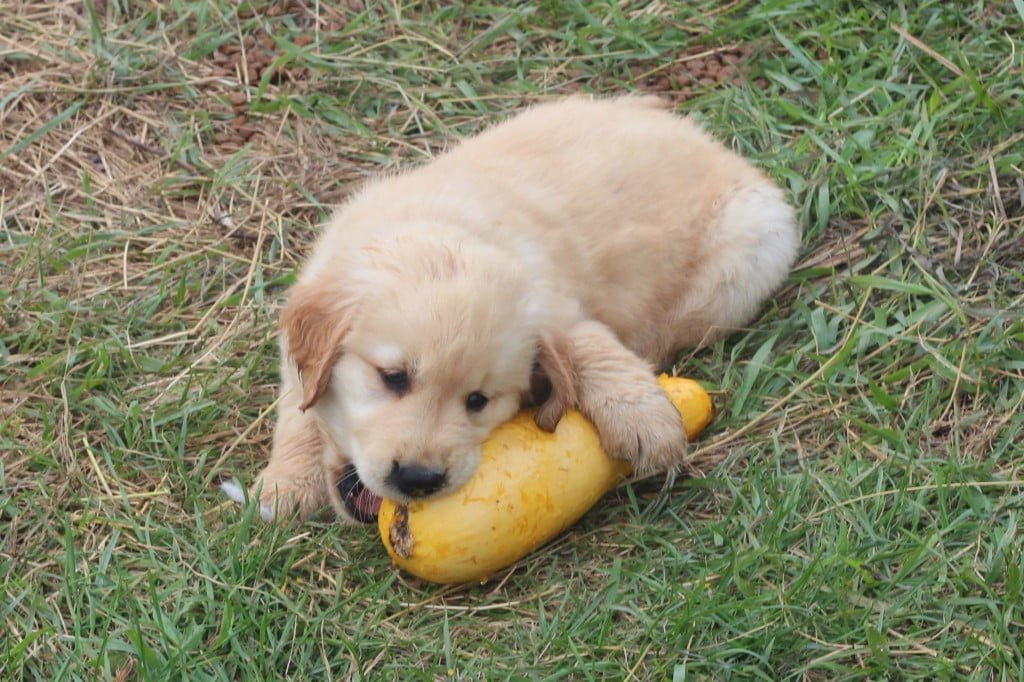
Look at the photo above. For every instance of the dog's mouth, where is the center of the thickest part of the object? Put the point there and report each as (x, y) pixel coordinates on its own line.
(359, 502)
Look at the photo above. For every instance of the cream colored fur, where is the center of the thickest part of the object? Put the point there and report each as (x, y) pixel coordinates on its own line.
(598, 237)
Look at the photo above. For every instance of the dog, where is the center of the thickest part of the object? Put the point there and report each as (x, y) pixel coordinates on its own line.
(561, 255)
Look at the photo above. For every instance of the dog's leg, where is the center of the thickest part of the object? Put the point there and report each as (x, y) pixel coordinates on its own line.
(618, 392)
(293, 480)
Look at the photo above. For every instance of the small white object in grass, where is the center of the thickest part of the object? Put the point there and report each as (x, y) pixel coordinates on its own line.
(233, 490)
(237, 494)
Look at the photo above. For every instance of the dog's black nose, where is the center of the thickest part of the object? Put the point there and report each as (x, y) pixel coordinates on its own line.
(414, 480)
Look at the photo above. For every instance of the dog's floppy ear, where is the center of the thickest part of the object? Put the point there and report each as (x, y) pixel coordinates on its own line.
(554, 358)
(314, 321)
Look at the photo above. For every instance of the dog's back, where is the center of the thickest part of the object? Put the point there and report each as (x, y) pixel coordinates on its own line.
(647, 215)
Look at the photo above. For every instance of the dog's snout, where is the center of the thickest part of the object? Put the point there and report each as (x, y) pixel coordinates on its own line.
(414, 480)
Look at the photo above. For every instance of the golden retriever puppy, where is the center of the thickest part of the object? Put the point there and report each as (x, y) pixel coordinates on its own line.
(583, 242)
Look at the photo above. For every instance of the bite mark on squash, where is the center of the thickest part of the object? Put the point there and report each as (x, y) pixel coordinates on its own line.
(401, 539)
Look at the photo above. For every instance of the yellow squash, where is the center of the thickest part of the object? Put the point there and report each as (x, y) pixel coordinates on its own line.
(530, 486)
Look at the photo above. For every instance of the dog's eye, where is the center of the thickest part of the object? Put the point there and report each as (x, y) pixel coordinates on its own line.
(476, 401)
(396, 380)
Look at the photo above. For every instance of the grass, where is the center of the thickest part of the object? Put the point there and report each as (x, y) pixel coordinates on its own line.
(162, 172)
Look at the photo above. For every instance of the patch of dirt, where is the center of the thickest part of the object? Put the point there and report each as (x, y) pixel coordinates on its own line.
(256, 57)
(697, 70)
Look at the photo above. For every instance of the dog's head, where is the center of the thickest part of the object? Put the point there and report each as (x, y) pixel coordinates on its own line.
(412, 356)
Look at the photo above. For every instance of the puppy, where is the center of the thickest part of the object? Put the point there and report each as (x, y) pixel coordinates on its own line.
(583, 242)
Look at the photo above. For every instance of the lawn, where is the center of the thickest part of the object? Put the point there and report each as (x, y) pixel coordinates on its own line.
(855, 508)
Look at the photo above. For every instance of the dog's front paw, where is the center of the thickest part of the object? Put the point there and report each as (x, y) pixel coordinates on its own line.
(290, 496)
(282, 497)
(234, 490)
(644, 428)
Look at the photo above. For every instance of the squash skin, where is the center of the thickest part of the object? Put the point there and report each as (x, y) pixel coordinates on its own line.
(530, 486)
